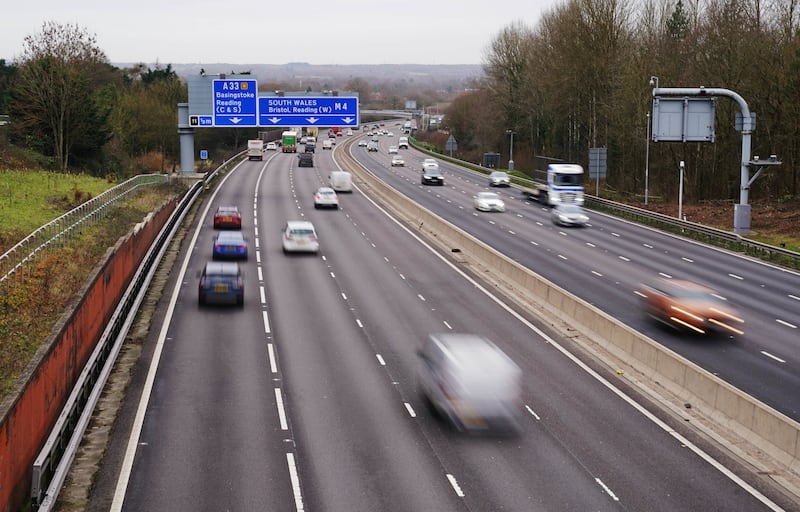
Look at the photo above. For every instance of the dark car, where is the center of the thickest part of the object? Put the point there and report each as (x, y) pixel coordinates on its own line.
(311, 147)
(306, 160)
(221, 283)
(432, 175)
(231, 245)
(227, 217)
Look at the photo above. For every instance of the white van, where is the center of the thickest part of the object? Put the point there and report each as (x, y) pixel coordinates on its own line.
(470, 382)
(341, 181)
(402, 143)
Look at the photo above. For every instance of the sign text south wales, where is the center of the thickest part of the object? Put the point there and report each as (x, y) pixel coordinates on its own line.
(308, 111)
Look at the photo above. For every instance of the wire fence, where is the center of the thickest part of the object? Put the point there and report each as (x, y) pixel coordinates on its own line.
(18, 263)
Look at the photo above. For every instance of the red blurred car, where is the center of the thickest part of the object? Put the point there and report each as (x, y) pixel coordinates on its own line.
(227, 217)
(691, 306)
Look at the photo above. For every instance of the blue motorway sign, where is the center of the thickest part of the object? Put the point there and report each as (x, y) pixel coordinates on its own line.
(235, 102)
(308, 111)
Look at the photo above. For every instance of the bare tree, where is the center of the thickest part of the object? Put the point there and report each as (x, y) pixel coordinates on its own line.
(54, 89)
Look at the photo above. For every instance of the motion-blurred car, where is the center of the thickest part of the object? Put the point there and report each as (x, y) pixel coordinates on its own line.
(690, 306)
(227, 217)
(372, 146)
(221, 282)
(392, 150)
(230, 245)
(326, 197)
(430, 163)
(327, 144)
(566, 214)
(397, 161)
(306, 160)
(271, 146)
(311, 147)
(469, 381)
(431, 175)
(362, 143)
(499, 179)
(489, 202)
(299, 236)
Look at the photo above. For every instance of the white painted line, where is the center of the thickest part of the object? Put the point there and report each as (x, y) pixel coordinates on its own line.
(648, 246)
(776, 358)
(623, 258)
(421, 297)
(615, 234)
(533, 243)
(667, 276)
(258, 257)
(598, 274)
(740, 278)
(273, 364)
(260, 274)
(359, 323)
(795, 297)
(344, 296)
(605, 488)
(256, 231)
(298, 496)
(455, 485)
(590, 244)
(562, 233)
(410, 410)
(787, 324)
(640, 294)
(281, 412)
(266, 323)
(256, 241)
(511, 232)
(562, 257)
(447, 325)
(263, 295)
(380, 359)
(402, 277)
(333, 275)
(532, 413)
(688, 260)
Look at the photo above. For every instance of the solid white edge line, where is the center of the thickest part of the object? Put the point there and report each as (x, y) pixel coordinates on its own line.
(639, 408)
(138, 422)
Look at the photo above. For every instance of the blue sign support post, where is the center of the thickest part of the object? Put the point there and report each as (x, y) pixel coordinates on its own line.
(308, 111)
(235, 102)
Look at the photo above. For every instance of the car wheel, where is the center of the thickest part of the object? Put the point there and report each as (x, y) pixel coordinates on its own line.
(316, 206)
(201, 300)
(240, 301)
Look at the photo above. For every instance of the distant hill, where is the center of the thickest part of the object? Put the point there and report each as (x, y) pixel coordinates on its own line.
(301, 75)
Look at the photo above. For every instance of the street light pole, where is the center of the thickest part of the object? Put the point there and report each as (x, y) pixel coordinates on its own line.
(647, 160)
(680, 194)
(511, 151)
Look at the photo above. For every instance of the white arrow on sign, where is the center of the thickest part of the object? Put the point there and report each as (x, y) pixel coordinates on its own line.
(274, 120)
(235, 120)
(312, 120)
(348, 120)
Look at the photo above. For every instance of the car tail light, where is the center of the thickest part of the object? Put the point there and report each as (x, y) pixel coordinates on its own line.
(239, 283)
(218, 247)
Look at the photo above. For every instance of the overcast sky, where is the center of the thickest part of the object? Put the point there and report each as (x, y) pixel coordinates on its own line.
(278, 31)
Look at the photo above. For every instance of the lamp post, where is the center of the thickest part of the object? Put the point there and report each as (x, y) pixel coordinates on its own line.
(647, 160)
(511, 151)
(680, 193)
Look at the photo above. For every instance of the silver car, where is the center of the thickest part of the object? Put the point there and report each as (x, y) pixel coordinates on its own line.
(326, 197)
(397, 161)
(568, 214)
(499, 179)
(470, 382)
(489, 202)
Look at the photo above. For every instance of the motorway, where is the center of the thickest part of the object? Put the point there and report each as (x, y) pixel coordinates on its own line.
(606, 264)
(306, 398)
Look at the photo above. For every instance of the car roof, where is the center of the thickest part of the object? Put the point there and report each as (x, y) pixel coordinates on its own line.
(230, 235)
(229, 268)
(299, 224)
(227, 208)
(325, 190)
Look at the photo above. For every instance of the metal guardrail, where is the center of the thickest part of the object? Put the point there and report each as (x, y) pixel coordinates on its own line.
(17, 263)
(52, 464)
(699, 232)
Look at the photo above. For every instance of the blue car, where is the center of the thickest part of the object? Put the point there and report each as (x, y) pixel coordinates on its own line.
(230, 245)
(221, 283)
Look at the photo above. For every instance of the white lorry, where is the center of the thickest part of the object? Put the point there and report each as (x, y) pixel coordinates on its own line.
(341, 181)
(402, 143)
(255, 149)
(561, 183)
